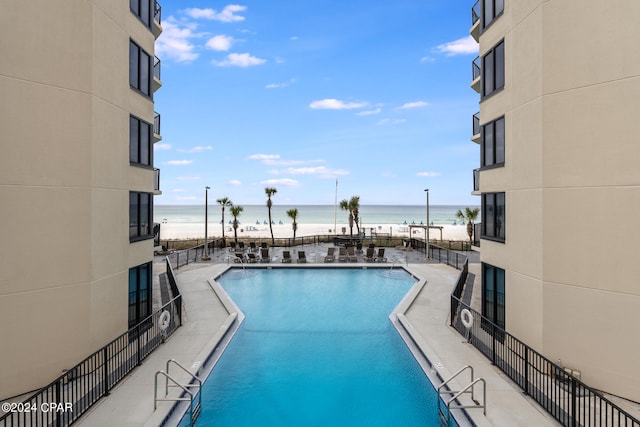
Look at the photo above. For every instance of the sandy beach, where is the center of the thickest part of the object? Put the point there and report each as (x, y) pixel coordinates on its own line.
(172, 231)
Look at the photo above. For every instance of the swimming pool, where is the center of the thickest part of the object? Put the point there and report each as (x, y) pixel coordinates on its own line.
(317, 348)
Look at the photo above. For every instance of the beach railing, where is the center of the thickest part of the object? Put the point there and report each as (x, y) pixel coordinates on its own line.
(70, 395)
(556, 389)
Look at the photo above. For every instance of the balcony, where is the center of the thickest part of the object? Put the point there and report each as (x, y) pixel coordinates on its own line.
(476, 73)
(157, 83)
(475, 137)
(475, 21)
(157, 18)
(476, 182)
(156, 182)
(156, 127)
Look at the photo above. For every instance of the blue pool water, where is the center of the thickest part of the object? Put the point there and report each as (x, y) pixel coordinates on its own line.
(317, 349)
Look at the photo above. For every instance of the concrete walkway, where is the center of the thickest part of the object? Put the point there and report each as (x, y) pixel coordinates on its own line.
(206, 317)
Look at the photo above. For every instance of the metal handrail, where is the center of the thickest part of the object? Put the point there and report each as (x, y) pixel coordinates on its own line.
(475, 13)
(465, 390)
(193, 377)
(461, 370)
(175, 399)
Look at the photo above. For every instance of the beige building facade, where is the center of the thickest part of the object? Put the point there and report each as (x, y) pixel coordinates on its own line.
(560, 182)
(76, 180)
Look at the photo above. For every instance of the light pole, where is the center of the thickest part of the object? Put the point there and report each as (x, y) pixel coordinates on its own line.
(426, 190)
(205, 256)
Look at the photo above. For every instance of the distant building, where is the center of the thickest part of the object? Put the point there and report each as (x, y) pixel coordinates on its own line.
(559, 180)
(77, 179)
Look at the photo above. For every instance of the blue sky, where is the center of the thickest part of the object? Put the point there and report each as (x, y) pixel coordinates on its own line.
(297, 94)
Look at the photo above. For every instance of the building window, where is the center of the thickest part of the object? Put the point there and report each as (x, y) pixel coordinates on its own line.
(140, 142)
(492, 143)
(493, 70)
(142, 9)
(139, 293)
(493, 216)
(493, 294)
(140, 216)
(140, 69)
(491, 9)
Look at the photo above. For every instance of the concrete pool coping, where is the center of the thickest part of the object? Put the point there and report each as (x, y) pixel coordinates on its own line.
(205, 310)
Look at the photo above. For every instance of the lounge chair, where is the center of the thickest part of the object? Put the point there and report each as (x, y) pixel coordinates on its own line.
(371, 255)
(286, 257)
(239, 257)
(358, 248)
(302, 258)
(264, 255)
(330, 255)
(252, 247)
(263, 245)
(251, 257)
(351, 254)
(232, 246)
(342, 254)
(380, 257)
(241, 246)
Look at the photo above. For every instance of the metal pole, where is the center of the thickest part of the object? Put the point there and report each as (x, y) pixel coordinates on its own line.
(205, 255)
(427, 255)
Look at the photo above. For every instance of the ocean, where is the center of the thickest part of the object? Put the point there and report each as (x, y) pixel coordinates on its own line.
(311, 214)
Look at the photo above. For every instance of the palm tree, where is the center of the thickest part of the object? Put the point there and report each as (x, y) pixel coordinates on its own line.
(354, 206)
(470, 215)
(293, 214)
(224, 202)
(235, 212)
(270, 191)
(344, 205)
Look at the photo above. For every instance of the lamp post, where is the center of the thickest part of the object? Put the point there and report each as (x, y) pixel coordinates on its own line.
(205, 256)
(426, 190)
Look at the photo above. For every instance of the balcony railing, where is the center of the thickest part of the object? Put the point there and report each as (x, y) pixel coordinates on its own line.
(476, 180)
(475, 13)
(475, 68)
(476, 123)
(156, 67)
(156, 179)
(157, 13)
(156, 123)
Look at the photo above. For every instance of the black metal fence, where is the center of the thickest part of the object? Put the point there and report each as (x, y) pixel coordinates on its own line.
(563, 396)
(69, 396)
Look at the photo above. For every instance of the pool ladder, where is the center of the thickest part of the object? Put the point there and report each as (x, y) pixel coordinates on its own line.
(194, 397)
(469, 388)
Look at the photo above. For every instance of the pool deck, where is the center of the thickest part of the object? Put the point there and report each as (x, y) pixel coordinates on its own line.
(131, 402)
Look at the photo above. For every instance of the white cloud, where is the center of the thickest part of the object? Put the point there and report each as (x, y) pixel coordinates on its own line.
(416, 104)
(161, 146)
(319, 170)
(234, 182)
(369, 112)
(239, 60)
(285, 182)
(335, 104)
(179, 162)
(228, 14)
(293, 38)
(464, 46)
(280, 85)
(197, 149)
(264, 156)
(428, 174)
(175, 41)
(220, 42)
(384, 122)
(427, 59)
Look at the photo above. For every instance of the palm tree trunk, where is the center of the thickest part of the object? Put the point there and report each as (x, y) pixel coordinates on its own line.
(273, 243)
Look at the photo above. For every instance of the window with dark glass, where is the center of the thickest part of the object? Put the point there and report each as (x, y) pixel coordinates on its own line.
(139, 293)
(493, 294)
(140, 68)
(140, 216)
(493, 216)
(491, 9)
(493, 70)
(140, 142)
(492, 143)
(142, 9)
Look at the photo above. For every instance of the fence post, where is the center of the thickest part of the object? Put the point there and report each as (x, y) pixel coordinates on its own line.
(526, 370)
(138, 342)
(177, 260)
(493, 343)
(105, 362)
(58, 398)
(573, 401)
